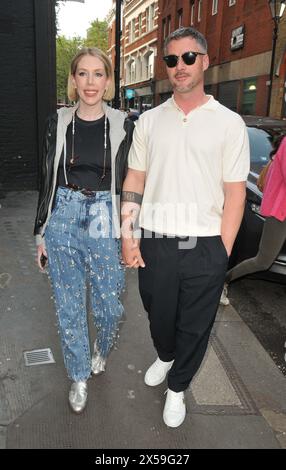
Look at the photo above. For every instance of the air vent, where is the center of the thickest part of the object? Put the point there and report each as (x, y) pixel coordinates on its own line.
(38, 356)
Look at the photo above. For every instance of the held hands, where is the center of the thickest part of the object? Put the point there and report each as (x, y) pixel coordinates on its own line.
(42, 257)
(131, 253)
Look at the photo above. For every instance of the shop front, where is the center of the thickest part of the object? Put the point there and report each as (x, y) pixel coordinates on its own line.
(140, 98)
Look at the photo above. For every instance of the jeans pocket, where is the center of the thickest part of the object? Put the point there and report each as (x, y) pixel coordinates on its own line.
(59, 205)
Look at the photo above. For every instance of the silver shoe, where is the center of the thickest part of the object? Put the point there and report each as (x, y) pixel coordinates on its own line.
(78, 396)
(97, 364)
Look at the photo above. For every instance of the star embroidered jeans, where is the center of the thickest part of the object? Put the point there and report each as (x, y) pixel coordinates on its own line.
(82, 251)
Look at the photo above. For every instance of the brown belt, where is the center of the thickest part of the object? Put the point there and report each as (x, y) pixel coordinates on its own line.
(84, 191)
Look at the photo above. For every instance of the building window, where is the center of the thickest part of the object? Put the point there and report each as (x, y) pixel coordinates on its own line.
(231, 2)
(200, 10)
(192, 12)
(147, 13)
(128, 71)
(139, 68)
(249, 96)
(227, 94)
(132, 30)
(148, 61)
(150, 17)
(180, 18)
(164, 28)
(168, 25)
(140, 24)
(133, 71)
(150, 65)
(214, 7)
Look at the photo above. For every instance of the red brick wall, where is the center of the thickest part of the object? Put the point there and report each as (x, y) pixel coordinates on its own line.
(254, 14)
(140, 41)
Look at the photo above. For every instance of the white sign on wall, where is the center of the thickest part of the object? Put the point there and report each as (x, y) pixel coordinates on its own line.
(237, 38)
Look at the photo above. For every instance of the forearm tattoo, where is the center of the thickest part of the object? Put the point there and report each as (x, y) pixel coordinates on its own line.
(130, 196)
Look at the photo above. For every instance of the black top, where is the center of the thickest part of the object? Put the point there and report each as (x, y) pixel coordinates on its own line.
(87, 168)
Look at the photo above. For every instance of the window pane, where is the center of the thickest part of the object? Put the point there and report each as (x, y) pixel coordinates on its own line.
(147, 19)
(249, 96)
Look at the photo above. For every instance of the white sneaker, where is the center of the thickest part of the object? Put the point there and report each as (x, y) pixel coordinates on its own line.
(175, 409)
(157, 372)
(224, 300)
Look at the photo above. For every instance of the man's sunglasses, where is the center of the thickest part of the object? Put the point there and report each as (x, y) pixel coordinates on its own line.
(188, 57)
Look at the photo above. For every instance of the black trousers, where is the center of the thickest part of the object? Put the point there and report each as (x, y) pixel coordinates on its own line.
(180, 288)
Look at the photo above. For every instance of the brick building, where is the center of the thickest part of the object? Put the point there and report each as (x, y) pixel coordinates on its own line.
(27, 88)
(111, 34)
(239, 35)
(138, 51)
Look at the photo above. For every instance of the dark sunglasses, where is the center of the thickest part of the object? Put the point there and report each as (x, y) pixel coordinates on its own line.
(188, 57)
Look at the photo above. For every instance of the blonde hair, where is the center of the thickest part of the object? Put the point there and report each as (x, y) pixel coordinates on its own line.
(95, 52)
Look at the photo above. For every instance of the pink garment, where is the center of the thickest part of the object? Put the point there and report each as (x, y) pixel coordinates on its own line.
(274, 194)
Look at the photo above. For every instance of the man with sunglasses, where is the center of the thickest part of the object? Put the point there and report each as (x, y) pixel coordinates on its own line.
(188, 165)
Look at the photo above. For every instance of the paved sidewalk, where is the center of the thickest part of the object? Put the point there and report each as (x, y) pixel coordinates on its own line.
(237, 400)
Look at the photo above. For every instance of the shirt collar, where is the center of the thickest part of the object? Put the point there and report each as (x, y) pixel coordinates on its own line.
(211, 104)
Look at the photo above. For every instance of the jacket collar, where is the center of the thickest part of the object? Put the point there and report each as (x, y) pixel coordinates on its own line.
(116, 121)
(67, 113)
(115, 117)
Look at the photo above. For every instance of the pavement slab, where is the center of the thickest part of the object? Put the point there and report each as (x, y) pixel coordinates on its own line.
(236, 401)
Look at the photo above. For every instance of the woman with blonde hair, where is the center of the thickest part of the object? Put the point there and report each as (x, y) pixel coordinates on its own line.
(77, 223)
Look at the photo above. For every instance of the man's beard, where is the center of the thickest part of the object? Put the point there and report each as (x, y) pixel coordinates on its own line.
(185, 88)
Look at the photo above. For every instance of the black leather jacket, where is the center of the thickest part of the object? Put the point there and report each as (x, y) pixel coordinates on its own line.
(49, 151)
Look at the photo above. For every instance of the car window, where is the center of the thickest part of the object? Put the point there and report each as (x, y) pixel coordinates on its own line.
(260, 146)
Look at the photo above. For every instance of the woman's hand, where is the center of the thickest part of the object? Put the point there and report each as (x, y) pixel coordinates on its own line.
(41, 252)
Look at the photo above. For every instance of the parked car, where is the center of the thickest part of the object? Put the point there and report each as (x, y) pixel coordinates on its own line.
(261, 132)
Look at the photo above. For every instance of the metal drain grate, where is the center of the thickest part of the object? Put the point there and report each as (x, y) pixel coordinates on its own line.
(38, 356)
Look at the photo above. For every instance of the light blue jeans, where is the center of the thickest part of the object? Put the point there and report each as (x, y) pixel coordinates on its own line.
(81, 249)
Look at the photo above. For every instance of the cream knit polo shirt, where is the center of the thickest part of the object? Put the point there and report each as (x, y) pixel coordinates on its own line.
(187, 158)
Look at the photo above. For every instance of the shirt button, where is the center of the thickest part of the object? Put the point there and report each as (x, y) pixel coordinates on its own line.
(185, 120)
